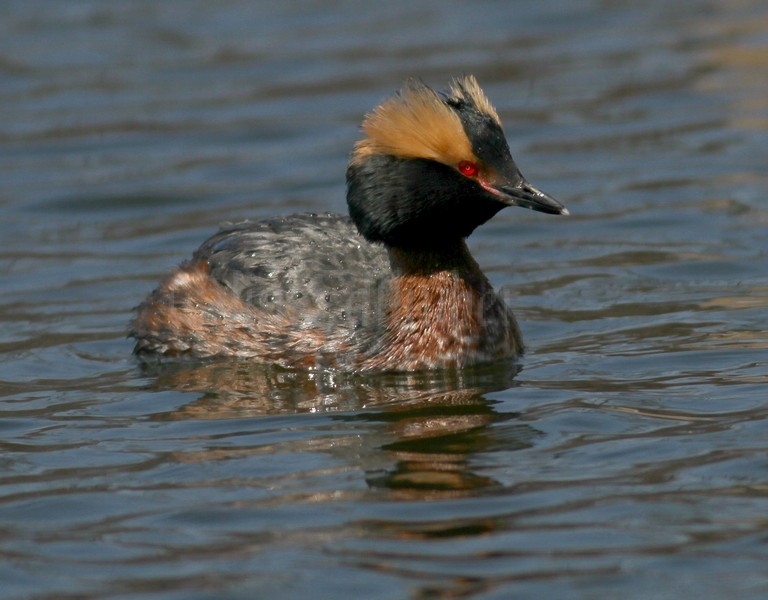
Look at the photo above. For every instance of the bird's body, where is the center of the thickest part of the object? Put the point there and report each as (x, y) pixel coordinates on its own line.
(394, 287)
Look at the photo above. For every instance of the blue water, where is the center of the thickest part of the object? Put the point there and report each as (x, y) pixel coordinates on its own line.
(624, 457)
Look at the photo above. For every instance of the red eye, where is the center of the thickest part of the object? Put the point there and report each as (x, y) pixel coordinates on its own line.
(467, 168)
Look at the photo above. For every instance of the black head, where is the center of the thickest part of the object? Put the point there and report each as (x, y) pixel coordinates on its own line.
(433, 167)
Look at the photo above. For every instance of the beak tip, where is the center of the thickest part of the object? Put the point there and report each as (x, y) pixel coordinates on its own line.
(527, 196)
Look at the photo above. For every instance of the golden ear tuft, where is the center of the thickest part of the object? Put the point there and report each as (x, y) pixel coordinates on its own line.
(466, 89)
(415, 123)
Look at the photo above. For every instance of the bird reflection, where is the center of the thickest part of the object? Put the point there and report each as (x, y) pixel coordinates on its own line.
(435, 442)
(425, 428)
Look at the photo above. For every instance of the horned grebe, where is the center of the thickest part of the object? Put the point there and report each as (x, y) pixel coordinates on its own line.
(394, 288)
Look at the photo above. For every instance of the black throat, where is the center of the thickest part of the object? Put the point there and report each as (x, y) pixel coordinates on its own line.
(415, 203)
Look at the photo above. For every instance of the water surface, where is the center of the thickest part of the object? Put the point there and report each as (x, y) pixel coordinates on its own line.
(624, 457)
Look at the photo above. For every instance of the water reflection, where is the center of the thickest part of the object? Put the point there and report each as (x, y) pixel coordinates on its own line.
(429, 425)
(238, 388)
(435, 439)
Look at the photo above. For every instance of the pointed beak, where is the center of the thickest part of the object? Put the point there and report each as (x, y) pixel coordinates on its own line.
(525, 195)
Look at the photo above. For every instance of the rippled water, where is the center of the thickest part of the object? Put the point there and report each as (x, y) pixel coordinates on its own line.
(624, 457)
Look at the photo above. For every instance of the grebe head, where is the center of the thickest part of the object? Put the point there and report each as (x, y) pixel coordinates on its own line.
(433, 166)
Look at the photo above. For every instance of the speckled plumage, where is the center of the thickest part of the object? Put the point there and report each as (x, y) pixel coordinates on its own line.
(392, 288)
(316, 267)
(309, 291)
